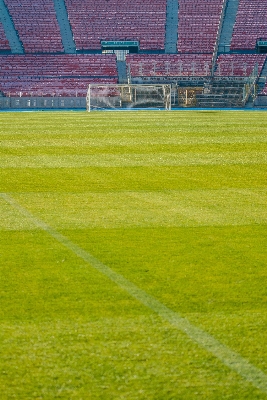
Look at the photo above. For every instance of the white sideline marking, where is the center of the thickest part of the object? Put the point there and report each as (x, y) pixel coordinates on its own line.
(227, 356)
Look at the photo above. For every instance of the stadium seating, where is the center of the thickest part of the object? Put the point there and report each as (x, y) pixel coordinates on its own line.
(169, 64)
(67, 75)
(238, 64)
(142, 20)
(36, 24)
(4, 45)
(44, 69)
(250, 24)
(198, 25)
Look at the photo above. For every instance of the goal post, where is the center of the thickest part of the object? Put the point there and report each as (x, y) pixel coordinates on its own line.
(128, 96)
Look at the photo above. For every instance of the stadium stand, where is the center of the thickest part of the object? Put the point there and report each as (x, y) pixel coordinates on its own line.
(4, 44)
(36, 24)
(239, 64)
(198, 25)
(169, 64)
(141, 20)
(250, 24)
(68, 75)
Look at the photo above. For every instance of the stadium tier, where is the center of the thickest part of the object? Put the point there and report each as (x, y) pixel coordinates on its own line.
(61, 75)
(55, 47)
(36, 24)
(141, 20)
(4, 44)
(198, 25)
(250, 24)
(239, 64)
(169, 65)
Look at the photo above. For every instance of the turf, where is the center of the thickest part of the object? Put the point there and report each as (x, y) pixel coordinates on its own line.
(176, 203)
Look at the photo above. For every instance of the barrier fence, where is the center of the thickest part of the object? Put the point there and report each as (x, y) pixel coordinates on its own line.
(42, 103)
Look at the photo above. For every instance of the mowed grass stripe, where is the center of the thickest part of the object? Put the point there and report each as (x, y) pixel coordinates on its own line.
(54, 140)
(229, 358)
(127, 160)
(134, 179)
(173, 208)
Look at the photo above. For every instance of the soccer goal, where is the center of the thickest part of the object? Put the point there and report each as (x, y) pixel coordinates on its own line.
(128, 96)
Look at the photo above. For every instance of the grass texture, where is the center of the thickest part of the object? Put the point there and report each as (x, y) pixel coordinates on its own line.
(175, 202)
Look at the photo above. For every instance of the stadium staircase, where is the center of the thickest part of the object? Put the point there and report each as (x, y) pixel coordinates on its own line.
(228, 26)
(171, 27)
(221, 94)
(122, 71)
(64, 25)
(10, 31)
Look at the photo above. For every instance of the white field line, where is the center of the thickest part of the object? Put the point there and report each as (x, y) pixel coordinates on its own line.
(227, 356)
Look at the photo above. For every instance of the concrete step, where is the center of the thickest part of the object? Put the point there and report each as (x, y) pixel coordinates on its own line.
(228, 26)
(64, 26)
(171, 30)
(122, 71)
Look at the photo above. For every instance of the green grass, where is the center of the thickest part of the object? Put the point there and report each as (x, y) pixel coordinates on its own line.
(176, 203)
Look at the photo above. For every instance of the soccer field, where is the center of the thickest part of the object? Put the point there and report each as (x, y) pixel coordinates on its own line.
(133, 252)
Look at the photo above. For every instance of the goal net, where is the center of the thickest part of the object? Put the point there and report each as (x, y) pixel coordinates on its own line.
(128, 96)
